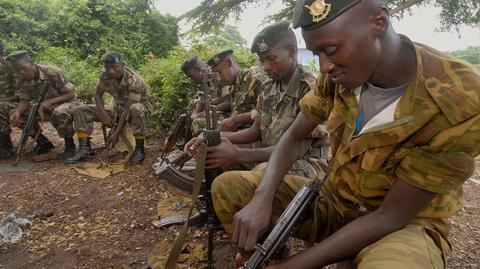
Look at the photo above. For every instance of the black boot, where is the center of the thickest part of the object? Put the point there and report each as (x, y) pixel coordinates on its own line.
(139, 153)
(69, 151)
(6, 147)
(43, 145)
(84, 151)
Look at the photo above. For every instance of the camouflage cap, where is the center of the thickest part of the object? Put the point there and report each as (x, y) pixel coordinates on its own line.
(311, 14)
(112, 57)
(266, 39)
(17, 55)
(218, 58)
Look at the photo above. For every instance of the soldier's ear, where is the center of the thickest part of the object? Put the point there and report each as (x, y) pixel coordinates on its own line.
(292, 50)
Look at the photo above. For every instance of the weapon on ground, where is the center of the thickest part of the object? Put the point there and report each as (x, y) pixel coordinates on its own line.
(286, 223)
(181, 128)
(32, 116)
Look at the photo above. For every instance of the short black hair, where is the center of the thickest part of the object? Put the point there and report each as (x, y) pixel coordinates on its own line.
(189, 64)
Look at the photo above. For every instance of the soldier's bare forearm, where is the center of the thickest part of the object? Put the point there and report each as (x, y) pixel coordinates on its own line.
(22, 106)
(224, 106)
(254, 155)
(62, 98)
(245, 136)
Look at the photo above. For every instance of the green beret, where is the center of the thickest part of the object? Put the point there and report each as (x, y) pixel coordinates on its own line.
(218, 58)
(266, 39)
(112, 57)
(311, 14)
(17, 55)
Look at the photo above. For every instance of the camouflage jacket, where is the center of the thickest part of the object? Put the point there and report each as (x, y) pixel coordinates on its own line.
(130, 87)
(246, 90)
(7, 81)
(28, 89)
(428, 138)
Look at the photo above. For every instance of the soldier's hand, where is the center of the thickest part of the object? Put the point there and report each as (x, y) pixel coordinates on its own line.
(191, 148)
(222, 155)
(251, 223)
(14, 118)
(45, 106)
(106, 120)
(229, 125)
(113, 140)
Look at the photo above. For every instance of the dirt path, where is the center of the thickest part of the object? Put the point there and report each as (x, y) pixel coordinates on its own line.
(83, 222)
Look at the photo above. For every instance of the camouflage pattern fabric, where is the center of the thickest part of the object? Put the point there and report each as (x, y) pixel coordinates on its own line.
(5, 108)
(131, 87)
(430, 143)
(61, 118)
(28, 89)
(7, 81)
(246, 90)
(85, 116)
(414, 246)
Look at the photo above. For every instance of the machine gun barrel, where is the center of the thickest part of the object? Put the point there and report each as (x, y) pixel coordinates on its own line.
(31, 120)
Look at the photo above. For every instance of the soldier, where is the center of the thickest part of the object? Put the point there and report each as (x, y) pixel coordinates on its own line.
(276, 108)
(130, 95)
(404, 121)
(57, 107)
(8, 102)
(221, 98)
(245, 84)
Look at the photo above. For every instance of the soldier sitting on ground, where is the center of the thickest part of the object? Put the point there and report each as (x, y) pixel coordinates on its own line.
(8, 102)
(404, 123)
(245, 88)
(276, 108)
(130, 96)
(193, 68)
(57, 107)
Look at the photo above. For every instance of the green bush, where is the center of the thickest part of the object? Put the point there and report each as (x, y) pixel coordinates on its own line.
(171, 90)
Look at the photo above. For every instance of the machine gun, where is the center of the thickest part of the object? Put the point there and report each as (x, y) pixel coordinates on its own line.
(206, 212)
(32, 116)
(212, 136)
(286, 223)
(182, 128)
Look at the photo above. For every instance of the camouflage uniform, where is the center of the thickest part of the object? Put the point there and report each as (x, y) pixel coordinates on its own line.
(131, 87)
(61, 114)
(276, 110)
(430, 144)
(7, 89)
(246, 89)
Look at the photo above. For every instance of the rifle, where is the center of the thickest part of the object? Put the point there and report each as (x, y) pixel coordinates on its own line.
(31, 121)
(181, 128)
(286, 223)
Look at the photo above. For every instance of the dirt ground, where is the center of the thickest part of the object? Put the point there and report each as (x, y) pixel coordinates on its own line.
(84, 222)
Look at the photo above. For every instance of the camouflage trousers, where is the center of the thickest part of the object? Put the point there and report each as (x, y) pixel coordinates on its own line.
(85, 116)
(414, 246)
(60, 117)
(5, 108)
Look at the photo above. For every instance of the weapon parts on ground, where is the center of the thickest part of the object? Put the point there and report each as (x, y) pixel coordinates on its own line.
(32, 119)
(182, 128)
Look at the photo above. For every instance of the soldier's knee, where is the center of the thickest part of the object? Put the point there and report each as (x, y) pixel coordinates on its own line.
(137, 110)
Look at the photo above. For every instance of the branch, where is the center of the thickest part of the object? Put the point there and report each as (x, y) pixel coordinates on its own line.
(400, 8)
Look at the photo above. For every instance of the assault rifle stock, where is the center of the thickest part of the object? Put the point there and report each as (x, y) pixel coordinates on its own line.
(32, 116)
(181, 128)
(286, 223)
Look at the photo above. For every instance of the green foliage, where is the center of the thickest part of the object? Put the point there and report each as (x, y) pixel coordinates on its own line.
(89, 27)
(171, 90)
(210, 14)
(470, 54)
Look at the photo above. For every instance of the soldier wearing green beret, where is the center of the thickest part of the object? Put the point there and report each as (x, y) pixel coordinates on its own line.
(404, 123)
(8, 102)
(57, 106)
(276, 108)
(221, 98)
(132, 105)
(245, 87)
